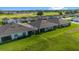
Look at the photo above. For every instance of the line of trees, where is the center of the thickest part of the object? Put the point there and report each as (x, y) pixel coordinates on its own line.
(61, 12)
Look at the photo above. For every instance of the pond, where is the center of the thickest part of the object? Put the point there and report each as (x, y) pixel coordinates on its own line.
(76, 19)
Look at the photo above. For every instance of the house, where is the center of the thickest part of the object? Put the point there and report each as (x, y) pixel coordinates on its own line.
(9, 21)
(59, 20)
(10, 32)
(23, 19)
(5, 20)
(29, 20)
(43, 25)
(16, 20)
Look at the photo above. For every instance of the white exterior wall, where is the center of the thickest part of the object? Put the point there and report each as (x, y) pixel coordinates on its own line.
(18, 21)
(26, 33)
(0, 40)
(10, 21)
(18, 35)
(48, 28)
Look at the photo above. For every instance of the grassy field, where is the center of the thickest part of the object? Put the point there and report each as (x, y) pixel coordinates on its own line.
(63, 39)
(32, 14)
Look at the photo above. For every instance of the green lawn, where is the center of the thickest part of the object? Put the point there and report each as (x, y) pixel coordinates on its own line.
(57, 40)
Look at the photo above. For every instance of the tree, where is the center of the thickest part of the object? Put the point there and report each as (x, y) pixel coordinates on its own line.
(60, 13)
(40, 13)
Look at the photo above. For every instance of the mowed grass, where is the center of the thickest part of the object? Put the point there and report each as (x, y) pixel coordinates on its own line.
(63, 39)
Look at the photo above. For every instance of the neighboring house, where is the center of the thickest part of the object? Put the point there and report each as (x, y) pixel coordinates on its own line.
(59, 20)
(5, 20)
(16, 20)
(29, 20)
(23, 19)
(14, 31)
(43, 25)
(9, 21)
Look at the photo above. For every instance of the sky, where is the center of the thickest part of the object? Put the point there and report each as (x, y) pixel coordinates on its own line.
(54, 4)
(39, 3)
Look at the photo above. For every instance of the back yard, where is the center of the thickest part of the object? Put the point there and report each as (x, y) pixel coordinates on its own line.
(58, 40)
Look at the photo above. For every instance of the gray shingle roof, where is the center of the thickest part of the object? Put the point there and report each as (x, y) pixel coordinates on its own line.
(13, 28)
(54, 20)
(42, 23)
(58, 20)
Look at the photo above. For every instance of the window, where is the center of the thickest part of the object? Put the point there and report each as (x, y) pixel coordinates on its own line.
(6, 38)
(24, 34)
(16, 36)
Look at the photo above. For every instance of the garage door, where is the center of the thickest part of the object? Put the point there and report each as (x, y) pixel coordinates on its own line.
(7, 38)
